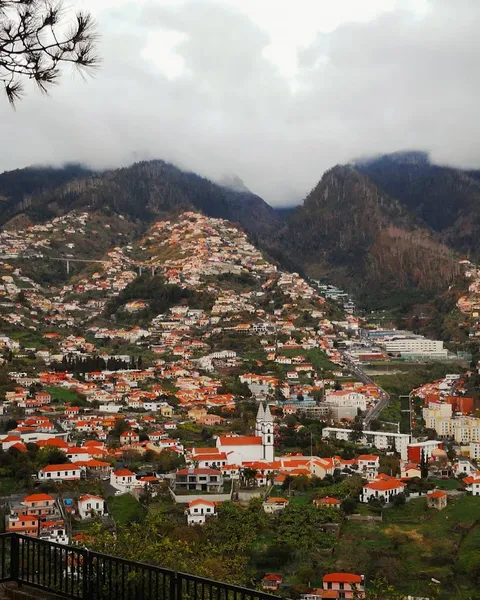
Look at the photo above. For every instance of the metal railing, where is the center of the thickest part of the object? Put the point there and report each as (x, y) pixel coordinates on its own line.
(78, 573)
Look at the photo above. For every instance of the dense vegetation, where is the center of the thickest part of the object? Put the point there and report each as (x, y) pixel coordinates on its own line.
(446, 199)
(353, 233)
(159, 295)
(144, 191)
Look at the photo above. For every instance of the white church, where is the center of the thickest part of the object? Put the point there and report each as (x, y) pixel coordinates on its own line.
(249, 448)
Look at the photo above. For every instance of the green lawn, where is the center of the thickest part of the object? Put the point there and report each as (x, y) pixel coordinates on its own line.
(447, 484)
(61, 394)
(125, 509)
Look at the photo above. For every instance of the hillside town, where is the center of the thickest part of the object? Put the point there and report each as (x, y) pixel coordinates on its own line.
(186, 372)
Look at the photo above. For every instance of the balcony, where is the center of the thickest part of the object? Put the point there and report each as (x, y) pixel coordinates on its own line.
(79, 574)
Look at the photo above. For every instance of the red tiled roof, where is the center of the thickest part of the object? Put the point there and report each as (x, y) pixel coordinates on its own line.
(89, 497)
(383, 486)
(38, 498)
(201, 501)
(64, 467)
(342, 578)
(368, 457)
(124, 473)
(436, 494)
(328, 500)
(243, 440)
(272, 577)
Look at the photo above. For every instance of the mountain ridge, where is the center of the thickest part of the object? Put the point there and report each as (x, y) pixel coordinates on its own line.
(377, 226)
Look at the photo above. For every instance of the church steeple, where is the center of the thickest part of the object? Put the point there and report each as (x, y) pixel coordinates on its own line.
(267, 435)
(259, 420)
(267, 416)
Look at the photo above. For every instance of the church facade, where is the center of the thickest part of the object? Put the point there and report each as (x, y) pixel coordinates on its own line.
(241, 449)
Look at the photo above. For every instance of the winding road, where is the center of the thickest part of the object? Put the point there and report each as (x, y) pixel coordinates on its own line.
(375, 410)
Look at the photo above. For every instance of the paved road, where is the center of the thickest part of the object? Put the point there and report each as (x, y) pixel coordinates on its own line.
(374, 411)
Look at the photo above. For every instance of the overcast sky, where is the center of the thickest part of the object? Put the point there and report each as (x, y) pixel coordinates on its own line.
(274, 91)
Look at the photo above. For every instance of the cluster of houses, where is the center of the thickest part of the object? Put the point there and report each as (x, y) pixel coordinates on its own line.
(43, 515)
(181, 381)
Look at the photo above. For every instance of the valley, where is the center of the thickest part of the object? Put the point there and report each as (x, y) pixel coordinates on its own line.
(163, 361)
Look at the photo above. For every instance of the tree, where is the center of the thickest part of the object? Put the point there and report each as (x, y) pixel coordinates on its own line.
(248, 476)
(399, 499)
(349, 505)
(121, 426)
(34, 43)
(423, 466)
(356, 433)
(50, 455)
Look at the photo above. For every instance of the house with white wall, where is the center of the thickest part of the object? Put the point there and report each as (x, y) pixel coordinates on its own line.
(65, 472)
(91, 506)
(198, 510)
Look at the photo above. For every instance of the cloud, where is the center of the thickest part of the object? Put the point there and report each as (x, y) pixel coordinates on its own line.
(208, 86)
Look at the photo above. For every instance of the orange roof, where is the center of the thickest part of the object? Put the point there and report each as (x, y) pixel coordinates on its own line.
(342, 578)
(53, 441)
(272, 577)
(329, 500)
(383, 485)
(64, 467)
(201, 501)
(278, 500)
(242, 440)
(23, 517)
(38, 498)
(436, 494)
(368, 457)
(89, 497)
(124, 473)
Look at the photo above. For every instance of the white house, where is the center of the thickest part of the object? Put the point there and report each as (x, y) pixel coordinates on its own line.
(78, 454)
(347, 399)
(123, 480)
(272, 505)
(66, 472)
(368, 465)
(198, 511)
(384, 487)
(463, 466)
(472, 483)
(89, 506)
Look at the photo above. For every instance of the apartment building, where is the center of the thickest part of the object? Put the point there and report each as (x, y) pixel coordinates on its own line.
(463, 429)
(382, 440)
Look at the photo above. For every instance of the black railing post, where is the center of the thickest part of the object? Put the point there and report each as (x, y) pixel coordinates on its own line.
(178, 586)
(86, 574)
(15, 558)
(173, 586)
